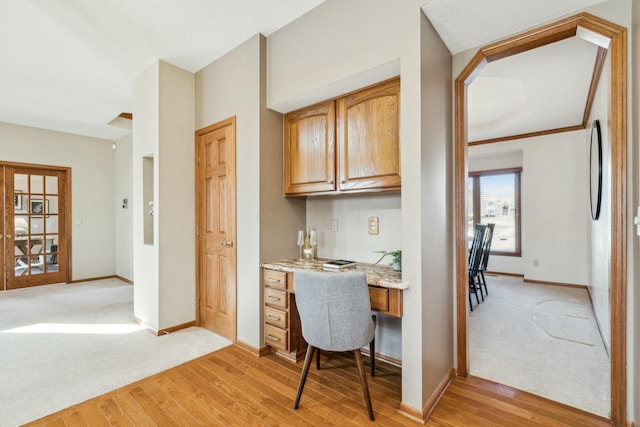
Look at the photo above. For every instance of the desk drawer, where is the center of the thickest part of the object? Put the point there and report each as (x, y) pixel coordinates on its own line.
(275, 337)
(275, 317)
(275, 279)
(275, 298)
(379, 299)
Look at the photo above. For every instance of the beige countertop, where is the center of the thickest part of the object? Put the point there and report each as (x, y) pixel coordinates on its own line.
(377, 275)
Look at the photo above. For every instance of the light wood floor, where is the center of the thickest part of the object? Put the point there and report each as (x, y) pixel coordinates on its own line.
(233, 387)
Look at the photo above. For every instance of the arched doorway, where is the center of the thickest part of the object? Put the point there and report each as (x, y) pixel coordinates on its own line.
(547, 34)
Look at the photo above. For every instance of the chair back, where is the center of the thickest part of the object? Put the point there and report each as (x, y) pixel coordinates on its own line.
(334, 308)
(475, 253)
(486, 247)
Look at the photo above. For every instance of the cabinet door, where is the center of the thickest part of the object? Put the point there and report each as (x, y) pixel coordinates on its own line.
(369, 138)
(309, 149)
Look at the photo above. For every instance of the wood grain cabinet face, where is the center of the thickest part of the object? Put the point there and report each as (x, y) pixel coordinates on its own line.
(309, 149)
(368, 136)
(366, 154)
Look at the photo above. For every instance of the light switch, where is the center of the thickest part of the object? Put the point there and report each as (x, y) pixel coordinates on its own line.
(334, 225)
(373, 225)
(636, 221)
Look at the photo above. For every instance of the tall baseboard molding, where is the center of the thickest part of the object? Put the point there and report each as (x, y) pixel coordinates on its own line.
(258, 352)
(383, 357)
(164, 331)
(566, 285)
(422, 416)
(500, 273)
(92, 279)
(125, 280)
(175, 328)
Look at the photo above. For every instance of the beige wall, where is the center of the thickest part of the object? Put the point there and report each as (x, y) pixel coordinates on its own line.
(353, 241)
(163, 107)
(234, 85)
(554, 204)
(124, 217)
(338, 47)
(92, 189)
(175, 198)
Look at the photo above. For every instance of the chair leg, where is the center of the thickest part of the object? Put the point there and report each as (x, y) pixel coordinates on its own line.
(484, 283)
(470, 303)
(363, 382)
(303, 375)
(372, 347)
(318, 359)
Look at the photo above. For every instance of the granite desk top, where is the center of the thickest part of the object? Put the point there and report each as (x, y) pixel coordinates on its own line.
(377, 275)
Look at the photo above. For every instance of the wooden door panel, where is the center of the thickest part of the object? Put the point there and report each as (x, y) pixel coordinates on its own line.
(36, 243)
(309, 151)
(368, 138)
(216, 216)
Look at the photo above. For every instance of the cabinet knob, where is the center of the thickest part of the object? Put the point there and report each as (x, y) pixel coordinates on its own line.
(330, 181)
(344, 181)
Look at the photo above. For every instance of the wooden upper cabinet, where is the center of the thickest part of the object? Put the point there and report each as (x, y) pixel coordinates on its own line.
(309, 150)
(368, 137)
(366, 158)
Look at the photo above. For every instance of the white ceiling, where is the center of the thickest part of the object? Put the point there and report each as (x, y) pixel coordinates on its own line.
(466, 24)
(69, 65)
(538, 90)
(541, 89)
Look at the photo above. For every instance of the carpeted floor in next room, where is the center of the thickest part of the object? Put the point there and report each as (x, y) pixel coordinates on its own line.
(541, 339)
(63, 344)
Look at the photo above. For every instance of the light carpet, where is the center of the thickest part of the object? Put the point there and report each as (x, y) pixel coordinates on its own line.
(66, 343)
(541, 339)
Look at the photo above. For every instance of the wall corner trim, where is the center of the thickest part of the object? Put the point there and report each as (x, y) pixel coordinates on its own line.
(422, 416)
(258, 352)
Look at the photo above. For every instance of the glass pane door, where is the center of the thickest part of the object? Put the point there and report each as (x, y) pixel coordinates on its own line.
(35, 246)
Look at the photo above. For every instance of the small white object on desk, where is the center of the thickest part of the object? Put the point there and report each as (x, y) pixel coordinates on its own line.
(339, 263)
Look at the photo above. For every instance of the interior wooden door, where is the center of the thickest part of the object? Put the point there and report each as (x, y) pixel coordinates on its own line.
(35, 227)
(216, 228)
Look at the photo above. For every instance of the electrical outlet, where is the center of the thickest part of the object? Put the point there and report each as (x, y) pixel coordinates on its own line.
(373, 225)
(536, 263)
(334, 225)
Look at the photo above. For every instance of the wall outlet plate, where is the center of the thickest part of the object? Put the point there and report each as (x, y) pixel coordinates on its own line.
(373, 225)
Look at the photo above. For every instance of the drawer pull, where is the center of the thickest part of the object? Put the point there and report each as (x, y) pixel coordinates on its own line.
(272, 298)
(271, 337)
(270, 317)
(271, 279)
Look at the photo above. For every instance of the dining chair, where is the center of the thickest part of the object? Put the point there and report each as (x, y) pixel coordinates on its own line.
(484, 259)
(335, 312)
(475, 257)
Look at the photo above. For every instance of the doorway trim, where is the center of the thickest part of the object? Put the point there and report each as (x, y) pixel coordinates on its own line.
(65, 241)
(535, 38)
(199, 209)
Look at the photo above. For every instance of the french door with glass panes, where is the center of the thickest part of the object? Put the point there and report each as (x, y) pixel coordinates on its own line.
(35, 230)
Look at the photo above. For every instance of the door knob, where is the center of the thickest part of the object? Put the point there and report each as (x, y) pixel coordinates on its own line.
(227, 244)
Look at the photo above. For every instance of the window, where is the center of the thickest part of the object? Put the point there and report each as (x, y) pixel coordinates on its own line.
(494, 197)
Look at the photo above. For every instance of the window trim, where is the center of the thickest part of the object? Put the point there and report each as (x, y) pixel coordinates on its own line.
(518, 189)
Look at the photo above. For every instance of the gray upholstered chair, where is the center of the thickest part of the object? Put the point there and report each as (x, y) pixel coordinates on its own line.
(335, 312)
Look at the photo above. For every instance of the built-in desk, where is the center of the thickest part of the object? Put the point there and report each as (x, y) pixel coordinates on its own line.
(282, 322)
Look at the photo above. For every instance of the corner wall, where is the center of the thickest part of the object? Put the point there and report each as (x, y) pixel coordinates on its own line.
(333, 49)
(163, 129)
(92, 189)
(124, 217)
(234, 86)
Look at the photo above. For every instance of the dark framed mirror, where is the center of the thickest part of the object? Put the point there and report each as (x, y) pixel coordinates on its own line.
(595, 170)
